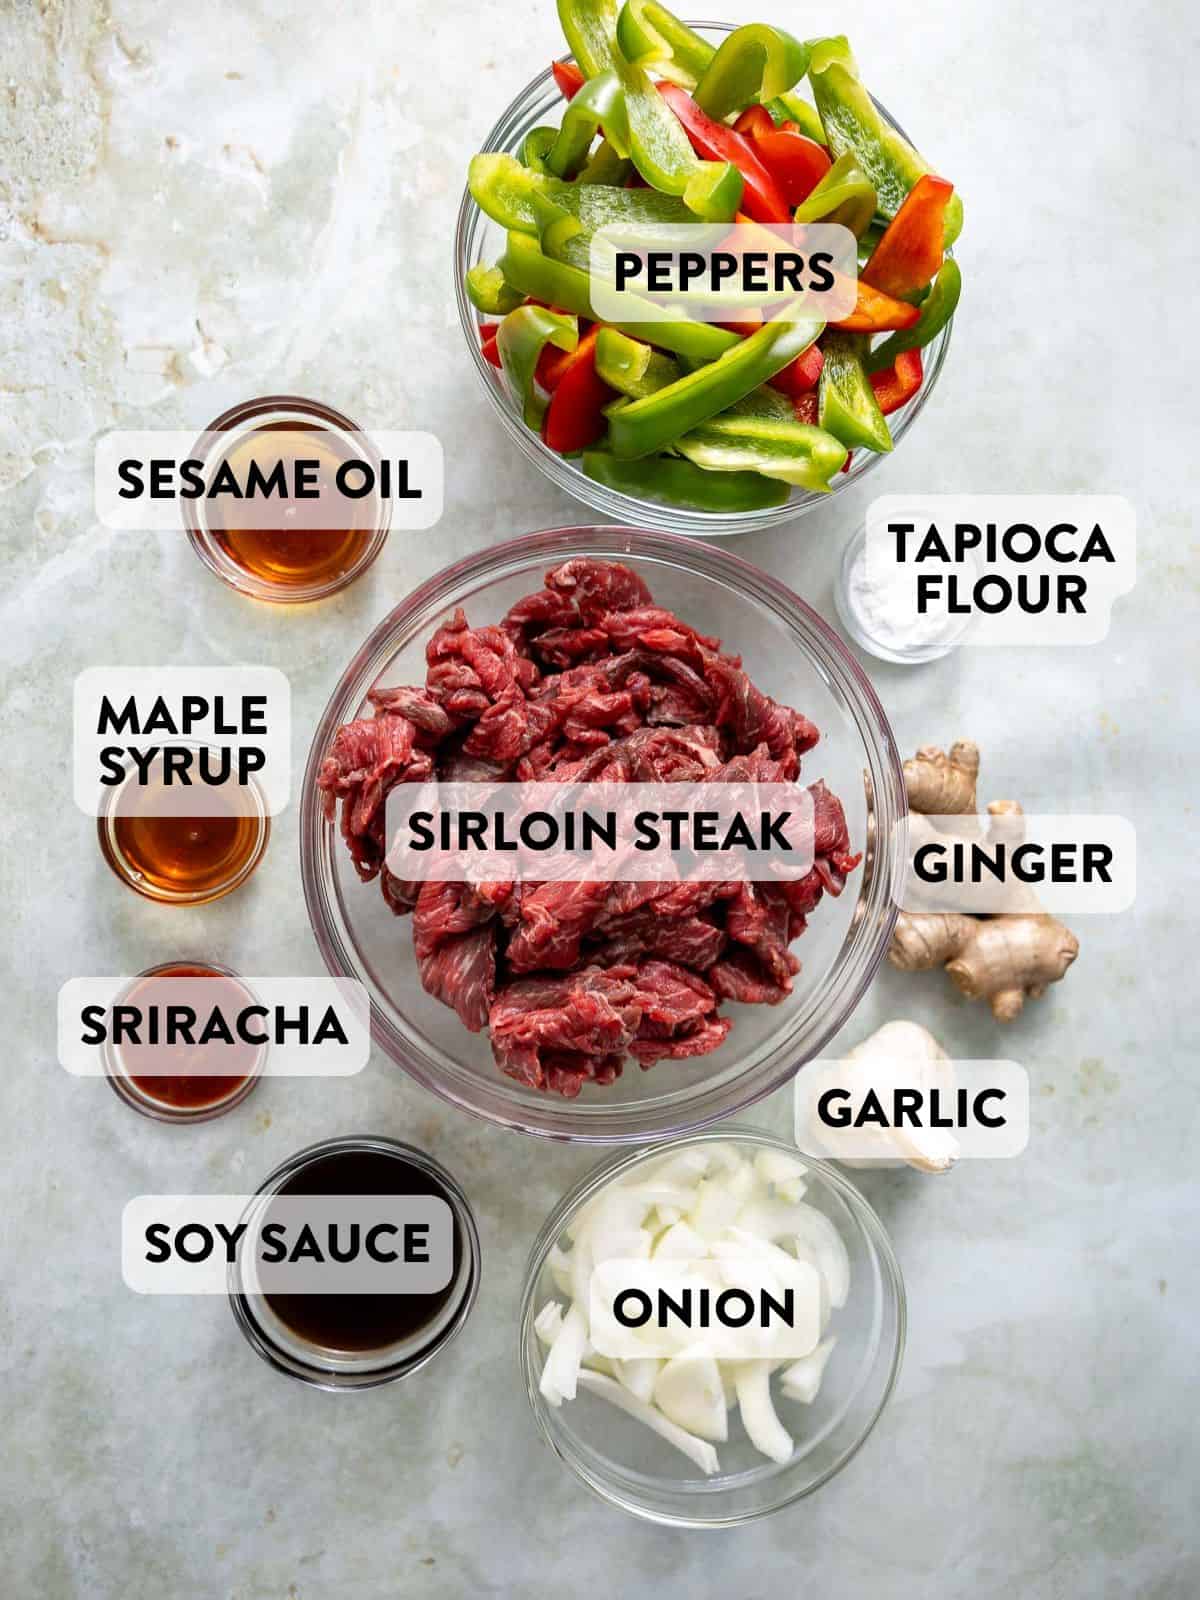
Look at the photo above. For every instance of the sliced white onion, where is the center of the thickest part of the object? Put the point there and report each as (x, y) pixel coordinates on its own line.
(817, 1232)
(638, 1375)
(697, 1450)
(718, 1202)
(548, 1322)
(770, 1218)
(802, 1380)
(766, 1432)
(561, 1371)
(680, 1243)
(690, 1392)
(777, 1169)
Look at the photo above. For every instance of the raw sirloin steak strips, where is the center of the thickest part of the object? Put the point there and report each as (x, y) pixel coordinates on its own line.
(587, 681)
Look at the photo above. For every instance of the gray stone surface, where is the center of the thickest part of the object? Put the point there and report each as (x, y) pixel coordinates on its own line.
(201, 203)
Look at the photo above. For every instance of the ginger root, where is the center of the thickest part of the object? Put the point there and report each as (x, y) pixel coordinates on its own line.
(942, 785)
(1003, 959)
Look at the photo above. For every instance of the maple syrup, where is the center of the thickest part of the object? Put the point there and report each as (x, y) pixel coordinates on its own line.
(183, 860)
(289, 561)
(155, 1080)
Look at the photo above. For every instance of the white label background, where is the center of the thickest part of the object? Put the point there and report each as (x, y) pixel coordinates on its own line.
(289, 1058)
(146, 684)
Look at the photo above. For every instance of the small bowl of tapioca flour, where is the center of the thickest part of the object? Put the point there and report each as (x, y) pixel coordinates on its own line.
(877, 604)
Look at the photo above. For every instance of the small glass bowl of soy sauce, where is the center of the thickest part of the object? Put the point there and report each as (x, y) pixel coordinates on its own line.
(359, 1341)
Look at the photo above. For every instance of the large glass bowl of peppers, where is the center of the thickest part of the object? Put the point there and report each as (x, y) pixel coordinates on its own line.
(653, 118)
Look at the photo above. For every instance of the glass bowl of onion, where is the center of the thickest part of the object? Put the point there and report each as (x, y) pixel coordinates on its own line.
(685, 1435)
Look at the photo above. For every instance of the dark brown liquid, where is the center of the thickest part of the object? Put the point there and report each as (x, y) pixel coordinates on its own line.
(180, 1089)
(292, 558)
(362, 1322)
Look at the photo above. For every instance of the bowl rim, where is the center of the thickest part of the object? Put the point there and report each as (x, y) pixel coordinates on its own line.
(606, 1171)
(563, 471)
(546, 1115)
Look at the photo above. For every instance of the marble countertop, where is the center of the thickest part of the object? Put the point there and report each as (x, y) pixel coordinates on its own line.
(198, 204)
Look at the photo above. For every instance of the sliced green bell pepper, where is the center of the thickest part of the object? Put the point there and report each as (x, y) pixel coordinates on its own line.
(792, 107)
(520, 339)
(488, 292)
(590, 27)
(536, 146)
(681, 483)
(793, 452)
(853, 123)
(763, 402)
(599, 104)
(631, 367)
(845, 194)
(508, 193)
(606, 167)
(647, 425)
(939, 306)
(752, 65)
(527, 268)
(653, 37)
(846, 403)
(663, 154)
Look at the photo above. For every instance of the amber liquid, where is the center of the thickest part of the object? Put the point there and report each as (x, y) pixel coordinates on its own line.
(283, 557)
(363, 1322)
(186, 856)
(183, 1090)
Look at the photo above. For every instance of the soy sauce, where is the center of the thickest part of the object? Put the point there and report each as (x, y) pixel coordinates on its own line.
(364, 1322)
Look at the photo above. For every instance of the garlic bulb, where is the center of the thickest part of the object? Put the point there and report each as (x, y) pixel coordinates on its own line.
(899, 1055)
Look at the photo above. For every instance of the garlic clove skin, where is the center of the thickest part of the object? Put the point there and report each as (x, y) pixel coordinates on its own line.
(900, 1054)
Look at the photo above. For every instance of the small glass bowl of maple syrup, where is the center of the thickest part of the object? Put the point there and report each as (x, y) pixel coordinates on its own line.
(160, 1081)
(285, 564)
(182, 860)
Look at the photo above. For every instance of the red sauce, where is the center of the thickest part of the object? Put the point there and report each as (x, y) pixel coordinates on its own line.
(180, 1088)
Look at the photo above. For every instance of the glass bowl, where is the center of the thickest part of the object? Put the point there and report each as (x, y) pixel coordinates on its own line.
(479, 239)
(630, 1466)
(858, 627)
(281, 581)
(791, 654)
(342, 1371)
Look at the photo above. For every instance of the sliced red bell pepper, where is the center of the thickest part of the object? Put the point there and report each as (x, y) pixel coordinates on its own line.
(568, 78)
(801, 376)
(895, 385)
(909, 254)
(805, 407)
(797, 164)
(575, 416)
(876, 312)
(714, 141)
(550, 366)
(744, 328)
(755, 119)
(487, 340)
